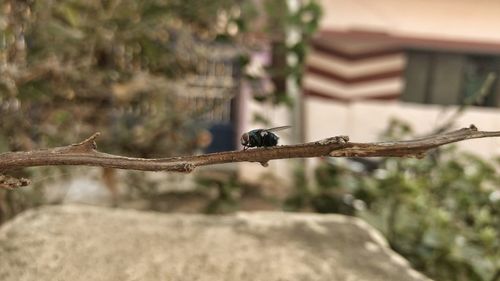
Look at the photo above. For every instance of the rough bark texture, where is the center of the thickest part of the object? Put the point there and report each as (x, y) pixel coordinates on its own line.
(90, 243)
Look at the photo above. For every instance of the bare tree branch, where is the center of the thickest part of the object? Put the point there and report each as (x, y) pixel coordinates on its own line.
(85, 153)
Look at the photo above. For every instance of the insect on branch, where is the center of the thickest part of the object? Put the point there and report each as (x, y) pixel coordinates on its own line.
(86, 153)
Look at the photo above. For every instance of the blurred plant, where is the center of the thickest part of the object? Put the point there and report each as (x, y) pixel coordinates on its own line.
(104, 65)
(70, 68)
(442, 212)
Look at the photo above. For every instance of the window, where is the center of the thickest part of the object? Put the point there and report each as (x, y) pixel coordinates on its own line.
(449, 78)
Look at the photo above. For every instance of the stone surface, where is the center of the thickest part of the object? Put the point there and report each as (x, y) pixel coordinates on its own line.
(93, 243)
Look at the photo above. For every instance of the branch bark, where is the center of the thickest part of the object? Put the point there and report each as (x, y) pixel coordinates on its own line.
(86, 153)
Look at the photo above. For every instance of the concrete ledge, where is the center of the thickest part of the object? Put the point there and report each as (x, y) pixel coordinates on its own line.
(91, 243)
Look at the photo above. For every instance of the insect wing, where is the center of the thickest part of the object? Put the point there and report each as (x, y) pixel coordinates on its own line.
(275, 129)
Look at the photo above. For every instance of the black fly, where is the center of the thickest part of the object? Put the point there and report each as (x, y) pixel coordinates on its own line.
(261, 137)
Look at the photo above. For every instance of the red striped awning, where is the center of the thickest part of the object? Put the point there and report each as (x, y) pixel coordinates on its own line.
(349, 69)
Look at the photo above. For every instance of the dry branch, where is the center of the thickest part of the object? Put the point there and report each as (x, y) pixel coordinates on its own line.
(85, 153)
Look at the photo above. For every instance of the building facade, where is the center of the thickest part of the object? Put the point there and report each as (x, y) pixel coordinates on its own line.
(417, 61)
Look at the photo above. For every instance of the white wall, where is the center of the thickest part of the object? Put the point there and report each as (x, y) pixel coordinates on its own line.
(364, 121)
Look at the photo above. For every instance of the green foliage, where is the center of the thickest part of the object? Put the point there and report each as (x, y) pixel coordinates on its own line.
(441, 212)
(76, 67)
(70, 68)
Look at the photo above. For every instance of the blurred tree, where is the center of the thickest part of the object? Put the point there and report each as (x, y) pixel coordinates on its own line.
(69, 68)
(73, 67)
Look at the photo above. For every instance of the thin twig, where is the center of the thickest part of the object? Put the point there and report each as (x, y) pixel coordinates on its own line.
(85, 153)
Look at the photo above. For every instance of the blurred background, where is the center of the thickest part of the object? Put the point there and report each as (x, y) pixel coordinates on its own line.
(163, 78)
